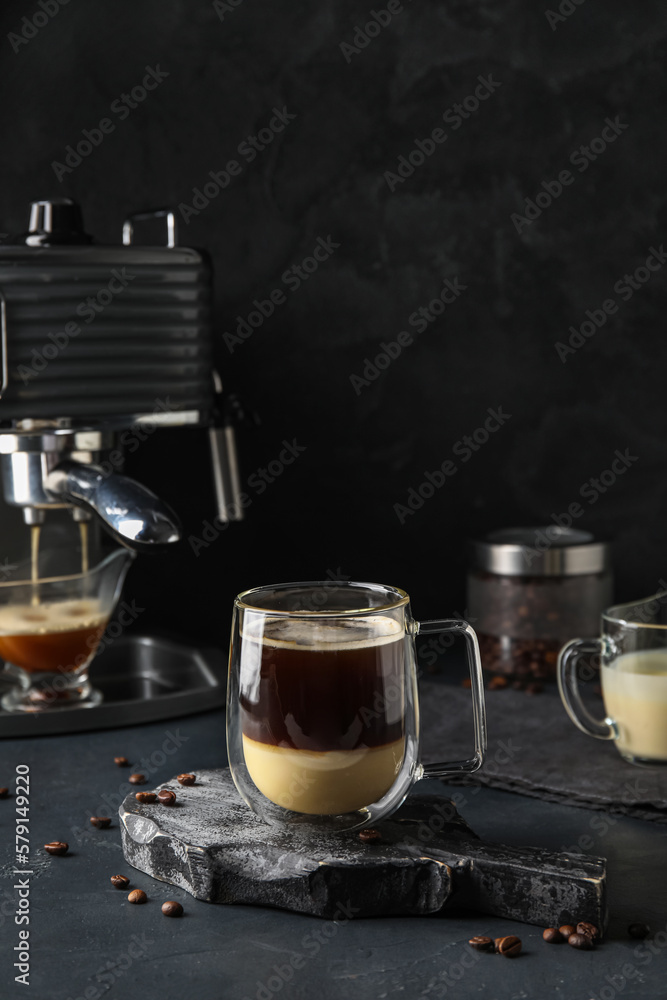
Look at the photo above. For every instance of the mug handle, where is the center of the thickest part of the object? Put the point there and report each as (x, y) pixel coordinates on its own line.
(568, 685)
(478, 707)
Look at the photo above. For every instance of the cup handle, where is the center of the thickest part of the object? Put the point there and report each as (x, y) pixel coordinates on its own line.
(568, 685)
(478, 706)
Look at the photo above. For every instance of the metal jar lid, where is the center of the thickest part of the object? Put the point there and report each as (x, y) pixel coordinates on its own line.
(547, 550)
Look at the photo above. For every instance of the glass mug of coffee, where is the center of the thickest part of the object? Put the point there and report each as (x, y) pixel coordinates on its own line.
(50, 629)
(633, 672)
(322, 709)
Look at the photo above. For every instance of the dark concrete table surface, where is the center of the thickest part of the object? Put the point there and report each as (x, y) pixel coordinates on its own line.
(87, 941)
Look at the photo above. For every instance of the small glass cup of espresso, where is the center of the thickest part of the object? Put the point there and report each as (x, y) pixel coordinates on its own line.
(632, 653)
(322, 703)
(50, 629)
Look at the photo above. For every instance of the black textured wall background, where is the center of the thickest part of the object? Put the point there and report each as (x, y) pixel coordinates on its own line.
(549, 84)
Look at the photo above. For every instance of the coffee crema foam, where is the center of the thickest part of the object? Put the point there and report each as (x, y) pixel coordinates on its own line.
(52, 616)
(320, 635)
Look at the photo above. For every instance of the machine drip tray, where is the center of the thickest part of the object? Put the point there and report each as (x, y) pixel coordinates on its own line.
(143, 678)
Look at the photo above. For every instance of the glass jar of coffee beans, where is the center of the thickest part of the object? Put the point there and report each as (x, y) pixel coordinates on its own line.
(530, 590)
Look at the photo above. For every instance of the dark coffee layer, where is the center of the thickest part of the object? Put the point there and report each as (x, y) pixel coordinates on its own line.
(342, 692)
(51, 637)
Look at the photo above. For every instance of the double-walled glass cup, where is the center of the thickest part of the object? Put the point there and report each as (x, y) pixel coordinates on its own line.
(322, 706)
(633, 672)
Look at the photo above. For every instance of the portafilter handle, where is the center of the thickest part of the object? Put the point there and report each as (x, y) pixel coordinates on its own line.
(129, 511)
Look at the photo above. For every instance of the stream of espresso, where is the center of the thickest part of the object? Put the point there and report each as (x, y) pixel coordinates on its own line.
(35, 530)
(83, 534)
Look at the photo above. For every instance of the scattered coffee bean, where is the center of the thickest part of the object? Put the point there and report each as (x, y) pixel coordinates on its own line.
(518, 685)
(145, 796)
(120, 881)
(552, 935)
(496, 944)
(466, 683)
(497, 682)
(4, 792)
(566, 930)
(101, 822)
(584, 927)
(166, 797)
(370, 835)
(121, 761)
(582, 941)
(172, 909)
(186, 779)
(137, 896)
(58, 847)
(136, 779)
(534, 688)
(482, 943)
(639, 931)
(509, 946)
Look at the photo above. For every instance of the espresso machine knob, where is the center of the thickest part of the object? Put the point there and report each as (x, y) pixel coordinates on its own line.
(55, 222)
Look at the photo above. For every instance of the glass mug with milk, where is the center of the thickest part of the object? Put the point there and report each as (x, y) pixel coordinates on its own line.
(633, 672)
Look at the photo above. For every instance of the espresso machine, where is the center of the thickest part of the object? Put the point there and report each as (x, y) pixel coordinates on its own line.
(100, 345)
(97, 342)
